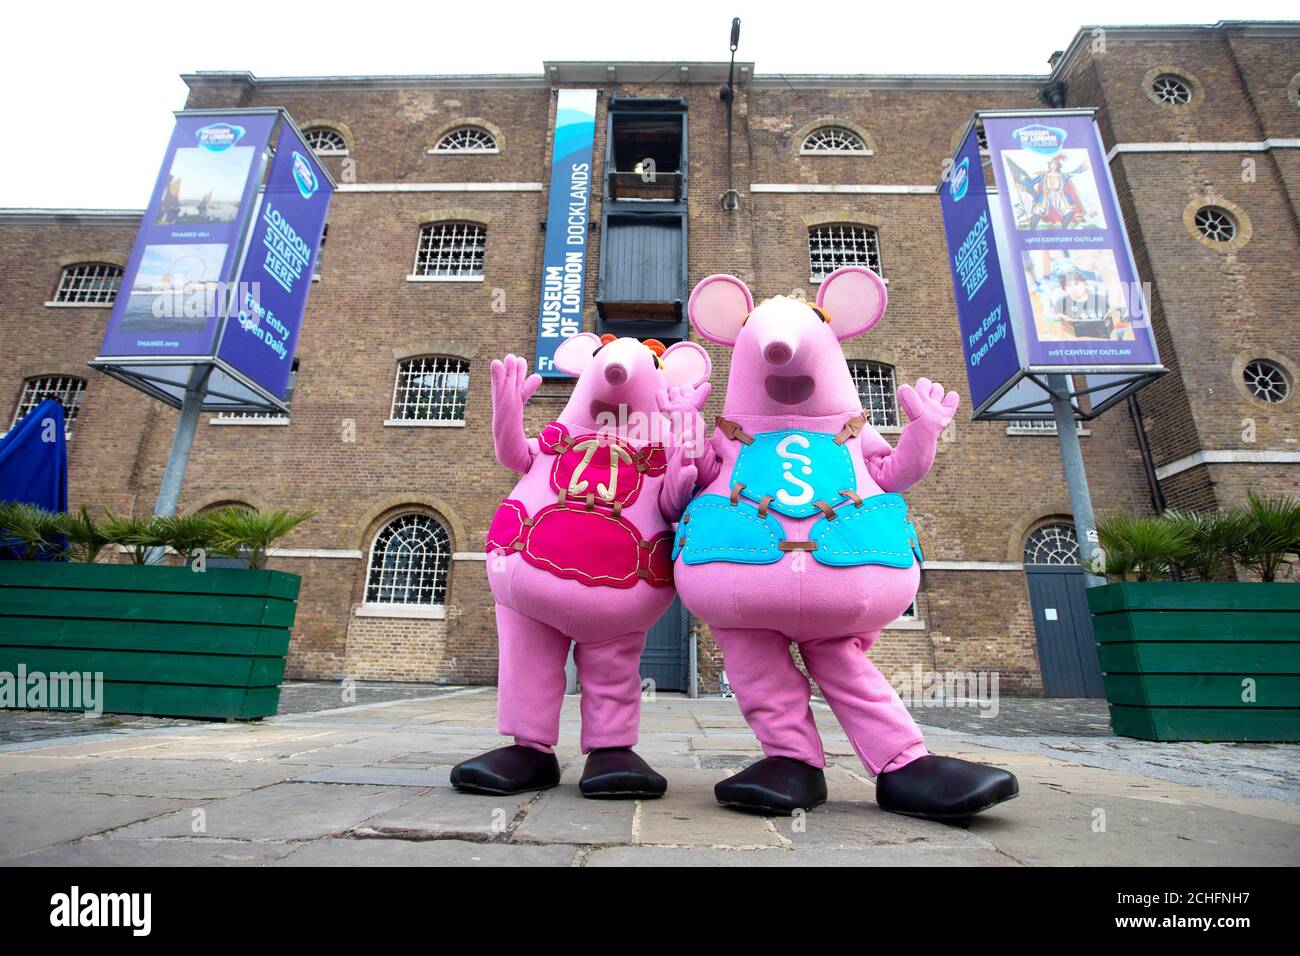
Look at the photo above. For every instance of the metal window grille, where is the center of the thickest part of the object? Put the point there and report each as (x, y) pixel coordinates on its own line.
(1266, 381)
(981, 137)
(1052, 544)
(89, 283)
(840, 244)
(834, 139)
(466, 139)
(1215, 224)
(1045, 425)
(431, 388)
(875, 382)
(322, 139)
(267, 414)
(450, 249)
(1171, 89)
(409, 561)
(68, 389)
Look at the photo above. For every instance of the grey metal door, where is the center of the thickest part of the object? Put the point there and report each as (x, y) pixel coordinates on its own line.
(664, 659)
(1066, 650)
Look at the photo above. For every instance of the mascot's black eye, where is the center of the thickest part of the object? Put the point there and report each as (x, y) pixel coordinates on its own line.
(821, 313)
(598, 348)
(658, 364)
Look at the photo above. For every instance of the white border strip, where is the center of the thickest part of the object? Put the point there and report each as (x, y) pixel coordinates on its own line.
(1243, 147)
(1228, 457)
(972, 566)
(314, 553)
(856, 188)
(439, 188)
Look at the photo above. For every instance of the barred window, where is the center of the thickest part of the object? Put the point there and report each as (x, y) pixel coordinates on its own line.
(1267, 381)
(1045, 426)
(68, 389)
(1171, 89)
(1216, 224)
(431, 388)
(875, 382)
(1052, 544)
(467, 139)
(842, 244)
(89, 283)
(267, 415)
(409, 560)
(451, 250)
(834, 139)
(324, 141)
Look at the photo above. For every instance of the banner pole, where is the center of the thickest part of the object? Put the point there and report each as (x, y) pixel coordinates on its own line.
(178, 457)
(1076, 479)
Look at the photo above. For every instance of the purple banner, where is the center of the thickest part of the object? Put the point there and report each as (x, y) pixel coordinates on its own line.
(259, 339)
(189, 241)
(1071, 279)
(987, 331)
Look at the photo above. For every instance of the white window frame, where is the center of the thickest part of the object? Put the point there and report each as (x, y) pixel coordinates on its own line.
(261, 418)
(909, 620)
(891, 394)
(327, 152)
(806, 150)
(66, 275)
(1040, 426)
(397, 421)
(439, 150)
(871, 239)
(70, 390)
(408, 609)
(428, 227)
(1288, 387)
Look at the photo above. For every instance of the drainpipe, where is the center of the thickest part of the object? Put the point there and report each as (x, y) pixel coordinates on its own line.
(1148, 465)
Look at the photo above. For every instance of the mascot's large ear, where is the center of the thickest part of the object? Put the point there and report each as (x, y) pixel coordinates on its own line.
(718, 306)
(686, 363)
(855, 299)
(576, 352)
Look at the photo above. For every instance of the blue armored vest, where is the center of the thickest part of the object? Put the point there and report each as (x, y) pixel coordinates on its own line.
(797, 473)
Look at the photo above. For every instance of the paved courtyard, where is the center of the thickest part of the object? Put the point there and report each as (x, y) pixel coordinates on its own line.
(329, 783)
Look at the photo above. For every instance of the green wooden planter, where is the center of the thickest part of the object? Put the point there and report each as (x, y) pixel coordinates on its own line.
(1179, 657)
(168, 641)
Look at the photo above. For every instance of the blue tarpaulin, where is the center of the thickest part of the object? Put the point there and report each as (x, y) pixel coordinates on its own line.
(34, 461)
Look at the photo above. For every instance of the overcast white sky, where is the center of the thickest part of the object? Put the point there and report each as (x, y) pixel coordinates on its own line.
(90, 86)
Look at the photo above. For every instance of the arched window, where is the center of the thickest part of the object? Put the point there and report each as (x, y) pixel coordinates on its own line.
(833, 139)
(875, 382)
(451, 250)
(1053, 543)
(325, 140)
(431, 388)
(409, 560)
(466, 139)
(837, 244)
(67, 389)
(88, 283)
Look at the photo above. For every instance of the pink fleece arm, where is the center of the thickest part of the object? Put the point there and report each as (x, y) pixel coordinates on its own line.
(514, 449)
(908, 462)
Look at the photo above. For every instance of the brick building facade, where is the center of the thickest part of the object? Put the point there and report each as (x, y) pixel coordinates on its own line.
(1193, 119)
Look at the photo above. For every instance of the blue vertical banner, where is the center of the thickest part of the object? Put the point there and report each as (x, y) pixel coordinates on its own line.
(261, 333)
(564, 261)
(988, 336)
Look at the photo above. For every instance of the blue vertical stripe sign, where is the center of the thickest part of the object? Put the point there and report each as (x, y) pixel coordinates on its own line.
(564, 261)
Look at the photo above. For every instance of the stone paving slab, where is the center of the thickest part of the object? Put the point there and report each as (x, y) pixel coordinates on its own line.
(379, 776)
(29, 821)
(563, 815)
(286, 811)
(425, 853)
(444, 813)
(196, 852)
(690, 814)
(132, 776)
(865, 856)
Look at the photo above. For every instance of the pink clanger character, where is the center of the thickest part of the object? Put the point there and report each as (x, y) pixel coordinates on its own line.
(579, 554)
(799, 534)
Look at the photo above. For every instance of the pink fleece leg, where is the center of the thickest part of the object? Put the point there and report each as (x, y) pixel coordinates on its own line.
(610, 673)
(530, 679)
(881, 730)
(772, 693)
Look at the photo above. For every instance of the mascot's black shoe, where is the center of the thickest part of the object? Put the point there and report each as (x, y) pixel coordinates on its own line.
(616, 773)
(776, 786)
(944, 788)
(507, 770)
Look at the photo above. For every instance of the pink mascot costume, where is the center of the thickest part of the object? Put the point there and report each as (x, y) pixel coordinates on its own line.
(799, 534)
(580, 553)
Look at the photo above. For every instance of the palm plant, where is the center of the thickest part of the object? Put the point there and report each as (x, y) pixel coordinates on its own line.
(1214, 537)
(86, 537)
(244, 531)
(186, 534)
(1140, 549)
(1274, 531)
(137, 535)
(31, 530)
